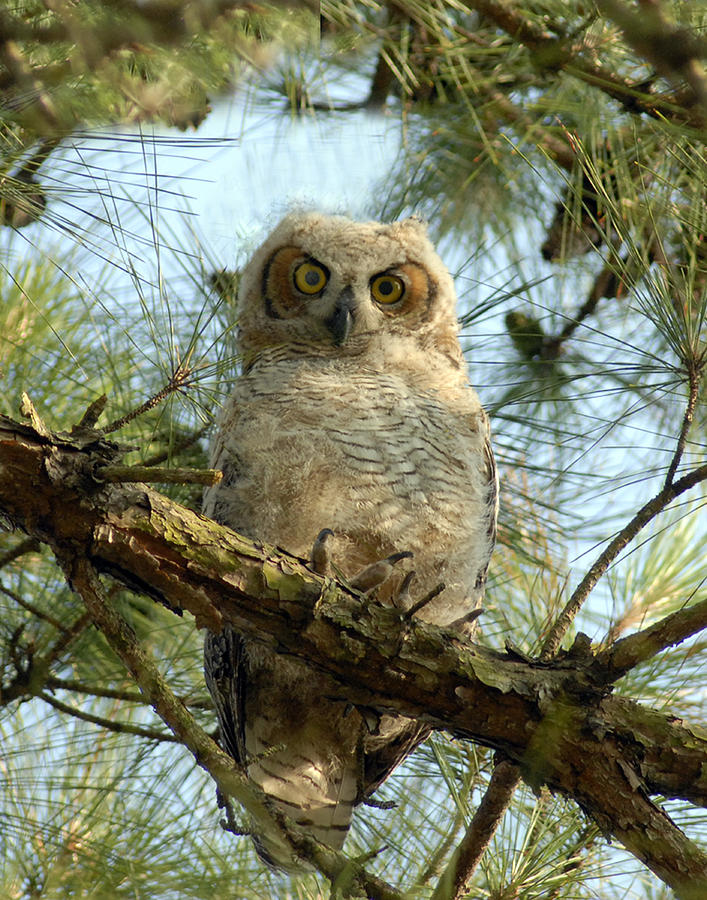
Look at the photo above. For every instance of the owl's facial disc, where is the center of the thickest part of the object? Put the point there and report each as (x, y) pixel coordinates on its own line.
(334, 301)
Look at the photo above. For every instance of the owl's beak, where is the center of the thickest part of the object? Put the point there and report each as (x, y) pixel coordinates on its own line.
(341, 320)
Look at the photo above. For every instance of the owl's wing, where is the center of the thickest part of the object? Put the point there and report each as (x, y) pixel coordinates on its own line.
(379, 763)
(225, 675)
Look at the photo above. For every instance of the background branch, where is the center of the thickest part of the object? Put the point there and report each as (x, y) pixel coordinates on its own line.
(630, 651)
(644, 515)
(452, 885)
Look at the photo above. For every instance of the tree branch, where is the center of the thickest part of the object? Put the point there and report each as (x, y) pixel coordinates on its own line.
(628, 652)
(553, 52)
(158, 475)
(675, 51)
(454, 880)
(553, 720)
(644, 515)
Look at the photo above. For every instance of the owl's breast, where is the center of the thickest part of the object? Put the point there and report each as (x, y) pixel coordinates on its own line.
(386, 465)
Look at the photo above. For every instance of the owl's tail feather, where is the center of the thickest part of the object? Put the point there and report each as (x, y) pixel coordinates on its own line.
(319, 803)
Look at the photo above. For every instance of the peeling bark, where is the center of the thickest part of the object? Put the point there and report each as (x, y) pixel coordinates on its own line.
(556, 720)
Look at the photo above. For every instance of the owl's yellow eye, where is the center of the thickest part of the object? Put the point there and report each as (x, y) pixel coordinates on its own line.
(310, 277)
(387, 289)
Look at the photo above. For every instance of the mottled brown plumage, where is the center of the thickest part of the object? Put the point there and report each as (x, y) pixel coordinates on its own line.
(354, 413)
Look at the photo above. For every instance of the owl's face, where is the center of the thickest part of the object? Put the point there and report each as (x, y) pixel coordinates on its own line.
(327, 286)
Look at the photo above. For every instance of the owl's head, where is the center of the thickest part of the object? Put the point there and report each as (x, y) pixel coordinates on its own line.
(327, 286)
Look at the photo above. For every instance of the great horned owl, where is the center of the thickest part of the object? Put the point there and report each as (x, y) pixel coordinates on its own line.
(353, 413)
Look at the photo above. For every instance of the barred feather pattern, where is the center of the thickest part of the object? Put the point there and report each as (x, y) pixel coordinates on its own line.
(369, 428)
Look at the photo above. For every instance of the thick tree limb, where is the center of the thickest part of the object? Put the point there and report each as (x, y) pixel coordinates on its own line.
(555, 720)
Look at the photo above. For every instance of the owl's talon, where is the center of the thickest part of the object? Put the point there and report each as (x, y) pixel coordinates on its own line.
(229, 823)
(465, 623)
(402, 600)
(371, 718)
(374, 575)
(320, 557)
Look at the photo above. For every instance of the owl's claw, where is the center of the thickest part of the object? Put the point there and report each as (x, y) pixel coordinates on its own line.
(465, 624)
(320, 557)
(380, 804)
(402, 600)
(420, 604)
(368, 578)
(374, 575)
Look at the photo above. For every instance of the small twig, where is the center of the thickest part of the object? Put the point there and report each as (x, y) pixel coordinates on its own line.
(182, 444)
(177, 381)
(67, 636)
(428, 598)
(462, 865)
(78, 687)
(552, 343)
(116, 474)
(694, 389)
(109, 724)
(628, 652)
(644, 515)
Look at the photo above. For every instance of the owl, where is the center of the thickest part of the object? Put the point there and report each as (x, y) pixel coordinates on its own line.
(352, 428)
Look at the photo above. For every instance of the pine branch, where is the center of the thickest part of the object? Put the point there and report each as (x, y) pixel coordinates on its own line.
(539, 715)
(552, 52)
(644, 515)
(625, 654)
(150, 734)
(693, 393)
(675, 51)
(454, 880)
